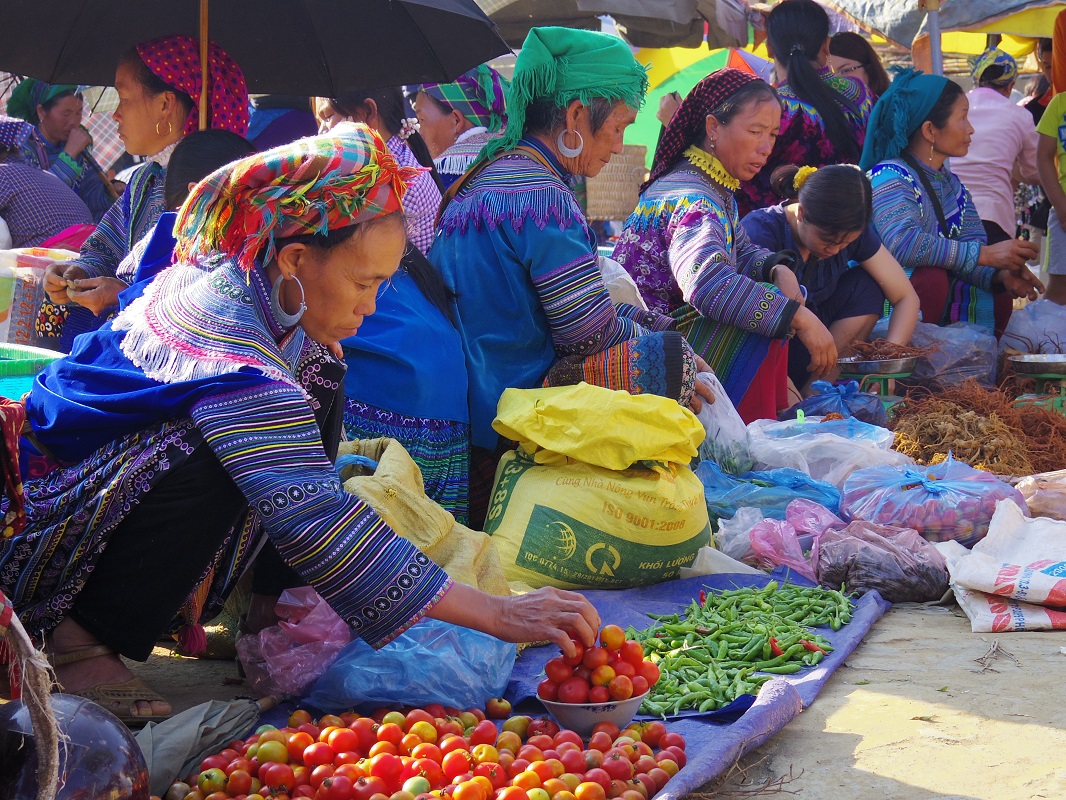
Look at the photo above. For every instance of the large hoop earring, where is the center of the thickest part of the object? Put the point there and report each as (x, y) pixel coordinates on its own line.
(284, 319)
(170, 128)
(570, 152)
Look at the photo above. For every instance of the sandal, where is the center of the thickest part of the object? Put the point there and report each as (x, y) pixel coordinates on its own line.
(107, 695)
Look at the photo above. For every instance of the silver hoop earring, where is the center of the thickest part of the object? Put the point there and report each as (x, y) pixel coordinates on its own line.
(284, 319)
(570, 152)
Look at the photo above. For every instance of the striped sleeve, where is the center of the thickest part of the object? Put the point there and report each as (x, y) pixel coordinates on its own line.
(904, 224)
(703, 262)
(267, 440)
(571, 290)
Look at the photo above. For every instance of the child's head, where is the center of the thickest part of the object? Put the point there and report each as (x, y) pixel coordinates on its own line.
(834, 204)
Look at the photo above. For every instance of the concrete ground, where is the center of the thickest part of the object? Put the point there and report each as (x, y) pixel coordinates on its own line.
(911, 716)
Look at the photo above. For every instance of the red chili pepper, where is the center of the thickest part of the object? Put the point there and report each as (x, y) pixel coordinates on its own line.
(775, 648)
(703, 598)
(809, 645)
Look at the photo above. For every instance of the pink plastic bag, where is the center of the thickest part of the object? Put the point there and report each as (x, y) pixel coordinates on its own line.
(288, 657)
(775, 544)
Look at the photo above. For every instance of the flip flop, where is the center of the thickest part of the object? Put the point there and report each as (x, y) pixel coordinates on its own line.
(109, 695)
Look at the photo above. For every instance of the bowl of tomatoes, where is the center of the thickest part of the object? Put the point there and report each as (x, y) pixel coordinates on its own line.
(603, 683)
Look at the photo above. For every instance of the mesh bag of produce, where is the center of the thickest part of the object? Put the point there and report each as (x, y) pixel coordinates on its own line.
(950, 501)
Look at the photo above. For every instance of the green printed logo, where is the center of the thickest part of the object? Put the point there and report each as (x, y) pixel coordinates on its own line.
(566, 549)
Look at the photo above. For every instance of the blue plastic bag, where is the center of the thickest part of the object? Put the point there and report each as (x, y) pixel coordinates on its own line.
(431, 662)
(844, 399)
(770, 491)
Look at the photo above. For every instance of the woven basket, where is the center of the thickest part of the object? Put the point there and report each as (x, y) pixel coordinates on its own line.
(612, 195)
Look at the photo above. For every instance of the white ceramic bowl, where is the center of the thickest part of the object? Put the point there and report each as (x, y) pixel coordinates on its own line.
(581, 718)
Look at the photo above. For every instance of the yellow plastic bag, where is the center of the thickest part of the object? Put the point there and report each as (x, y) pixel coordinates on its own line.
(598, 494)
(397, 493)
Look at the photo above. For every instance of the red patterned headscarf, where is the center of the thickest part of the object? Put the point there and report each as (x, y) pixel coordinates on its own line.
(175, 60)
(689, 121)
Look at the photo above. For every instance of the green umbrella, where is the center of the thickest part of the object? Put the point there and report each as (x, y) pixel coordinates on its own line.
(674, 70)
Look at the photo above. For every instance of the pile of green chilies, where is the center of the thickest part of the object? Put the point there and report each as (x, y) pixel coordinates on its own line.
(729, 643)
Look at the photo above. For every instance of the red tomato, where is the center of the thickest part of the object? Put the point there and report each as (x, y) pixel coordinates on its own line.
(297, 743)
(541, 725)
(593, 759)
(336, 788)
(660, 776)
(278, 777)
(430, 770)
(483, 733)
(595, 657)
(573, 690)
(365, 788)
(653, 732)
(600, 776)
(299, 717)
(239, 763)
(669, 739)
(427, 750)
(419, 715)
(677, 753)
(318, 753)
(214, 762)
(566, 736)
(541, 741)
(352, 771)
(558, 670)
(517, 766)
(238, 782)
(452, 742)
(343, 740)
(390, 732)
(319, 774)
(601, 741)
(582, 672)
(348, 757)
(648, 671)
(612, 637)
(618, 767)
(599, 694)
(364, 729)
(631, 652)
(331, 719)
(644, 765)
(579, 653)
(456, 763)
(387, 767)
(650, 786)
(640, 685)
(617, 788)
(622, 667)
(312, 730)
(602, 675)
(620, 687)
(573, 761)
(496, 774)
(548, 690)
(612, 730)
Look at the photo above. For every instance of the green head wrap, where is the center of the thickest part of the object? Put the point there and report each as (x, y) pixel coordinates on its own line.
(31, 93)
(899, 112)
(565, 64)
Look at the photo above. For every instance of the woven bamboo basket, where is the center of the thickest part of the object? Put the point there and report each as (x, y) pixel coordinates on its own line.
(612, 195)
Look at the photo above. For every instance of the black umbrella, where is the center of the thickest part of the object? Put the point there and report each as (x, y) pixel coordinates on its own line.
(301, 47)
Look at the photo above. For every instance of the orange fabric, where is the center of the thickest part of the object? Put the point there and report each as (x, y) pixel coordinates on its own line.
(1058, 54)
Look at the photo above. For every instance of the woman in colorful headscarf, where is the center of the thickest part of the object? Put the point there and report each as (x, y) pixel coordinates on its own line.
(204, 417)
(925, 216)
(824, 115)
(387, 112)
(691, 259)
(59, 143)
(457, 119)
(159, 85)
(515, 248)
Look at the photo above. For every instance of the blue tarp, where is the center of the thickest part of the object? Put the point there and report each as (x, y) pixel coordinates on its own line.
(714, 741)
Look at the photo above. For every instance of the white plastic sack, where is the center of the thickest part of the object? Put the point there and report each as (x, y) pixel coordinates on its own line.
(728, 443)
(1014, 578)
(714, 562)
(824, 456)
(1040, 327)
(620, 284)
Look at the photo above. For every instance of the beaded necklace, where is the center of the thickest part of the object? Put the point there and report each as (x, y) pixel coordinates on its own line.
(712, 166)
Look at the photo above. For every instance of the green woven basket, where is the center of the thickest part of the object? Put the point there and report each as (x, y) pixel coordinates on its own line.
(19, 364)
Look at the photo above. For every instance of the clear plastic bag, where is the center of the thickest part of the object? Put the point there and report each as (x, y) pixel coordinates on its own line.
(769, 491)
(963, 351)
(950, 501)
(896, 562)
(813, 447)
(727, 443)
(844, 399)
(286, 658)
(1040, 327)
(430, 662)
(1045, 494)
(734, 535)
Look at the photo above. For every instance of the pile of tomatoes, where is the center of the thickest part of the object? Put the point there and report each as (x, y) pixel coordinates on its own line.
(613, 670)
(432, 754)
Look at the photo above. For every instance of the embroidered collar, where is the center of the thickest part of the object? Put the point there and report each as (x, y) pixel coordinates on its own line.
(711, 166)
(549, 156)
(162, 158)
(469, 132)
